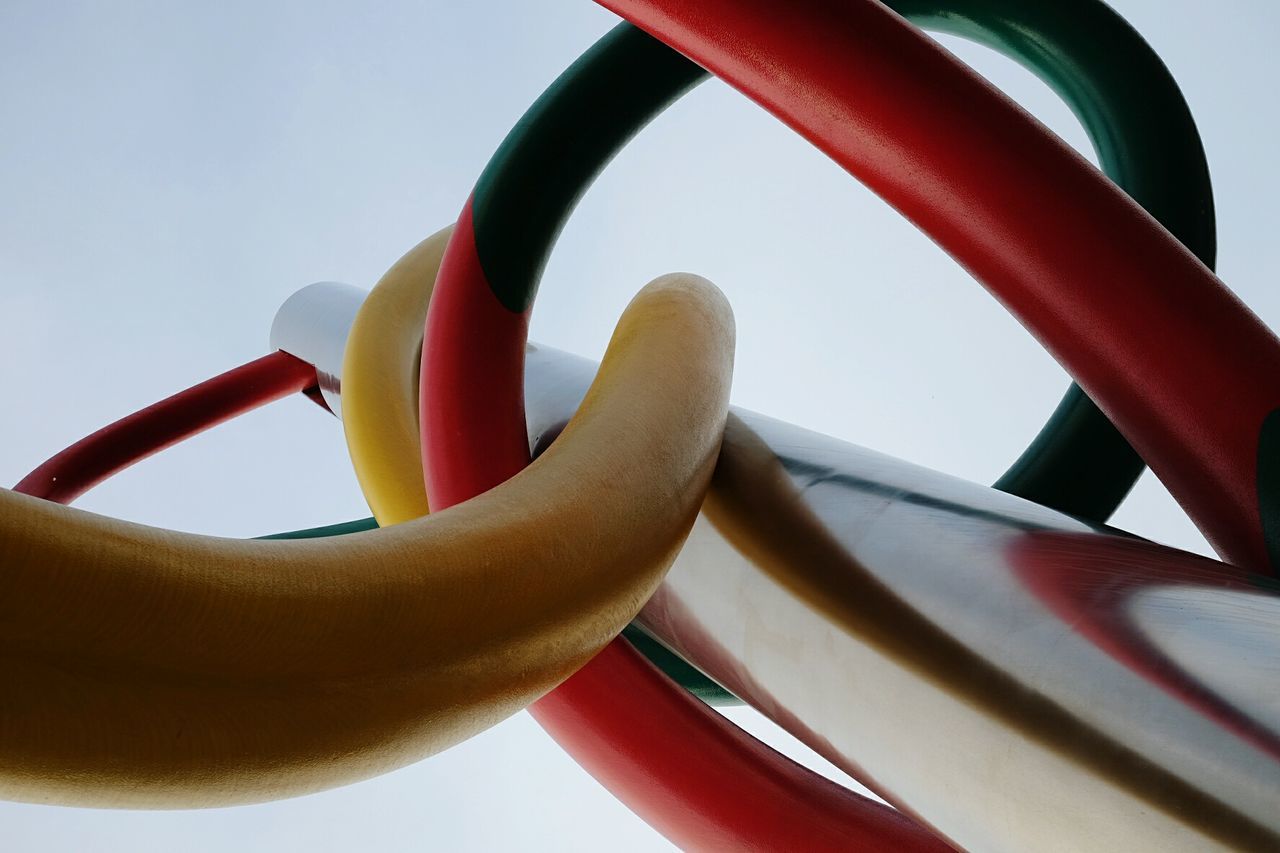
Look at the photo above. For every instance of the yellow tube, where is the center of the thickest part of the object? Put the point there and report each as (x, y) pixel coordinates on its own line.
(150, 668)
(380, 384)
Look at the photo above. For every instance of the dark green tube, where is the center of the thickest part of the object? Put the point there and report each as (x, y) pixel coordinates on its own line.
(1128, 102)
(1133, 111)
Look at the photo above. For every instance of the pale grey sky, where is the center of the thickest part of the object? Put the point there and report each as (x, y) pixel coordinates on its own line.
(171, 172)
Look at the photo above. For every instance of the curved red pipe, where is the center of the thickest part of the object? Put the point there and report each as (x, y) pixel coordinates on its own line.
(92, 459)
(1172, 357)
(688, 772)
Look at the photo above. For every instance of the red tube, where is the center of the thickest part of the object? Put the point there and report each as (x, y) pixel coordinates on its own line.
(688, 772)
(700, 780)
(1172, 357)
(131, 439)
(1180, 365)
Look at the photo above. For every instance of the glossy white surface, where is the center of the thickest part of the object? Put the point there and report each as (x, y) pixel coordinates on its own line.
(957, 690)
(1226, 640)
(313, 325)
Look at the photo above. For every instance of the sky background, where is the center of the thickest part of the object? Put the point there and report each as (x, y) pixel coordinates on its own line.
(171, 172)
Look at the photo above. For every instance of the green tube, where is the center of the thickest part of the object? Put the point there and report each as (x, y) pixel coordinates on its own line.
(340, 529)
(1141, 128)
(1146, 141)
(1128, 102)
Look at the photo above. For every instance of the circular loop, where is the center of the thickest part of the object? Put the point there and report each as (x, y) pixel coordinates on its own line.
(886, 104)
(1132, 109)
(1090, 274)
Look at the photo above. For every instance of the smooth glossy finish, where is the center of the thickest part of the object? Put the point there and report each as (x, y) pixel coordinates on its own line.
(689, 772)
(1079, 263)
(897, 620)
(382, 419)
(922, 632)
(312, 325)
(1137, 119)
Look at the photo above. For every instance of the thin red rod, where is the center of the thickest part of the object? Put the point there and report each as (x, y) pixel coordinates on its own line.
(131, 439)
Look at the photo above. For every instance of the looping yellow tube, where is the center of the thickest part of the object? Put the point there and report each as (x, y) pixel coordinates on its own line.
(150, 668)
(380, 384)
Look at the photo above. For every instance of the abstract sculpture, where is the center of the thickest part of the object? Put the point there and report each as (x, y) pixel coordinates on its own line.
(977, 656)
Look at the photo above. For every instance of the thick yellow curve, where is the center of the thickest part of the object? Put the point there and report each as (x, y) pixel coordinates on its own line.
(149, 668)
(380, 384)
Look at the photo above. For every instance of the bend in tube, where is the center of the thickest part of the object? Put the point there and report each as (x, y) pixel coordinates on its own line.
(1128, 102)
(73, 471)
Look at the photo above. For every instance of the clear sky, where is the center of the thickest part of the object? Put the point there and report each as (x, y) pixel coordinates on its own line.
(171, 172)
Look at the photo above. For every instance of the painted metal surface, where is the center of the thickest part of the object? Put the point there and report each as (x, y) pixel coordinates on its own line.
(313, 325)
(1025, 679)
(889, 616)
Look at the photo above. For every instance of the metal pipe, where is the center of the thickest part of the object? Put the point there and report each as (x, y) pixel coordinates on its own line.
(1015, 677)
